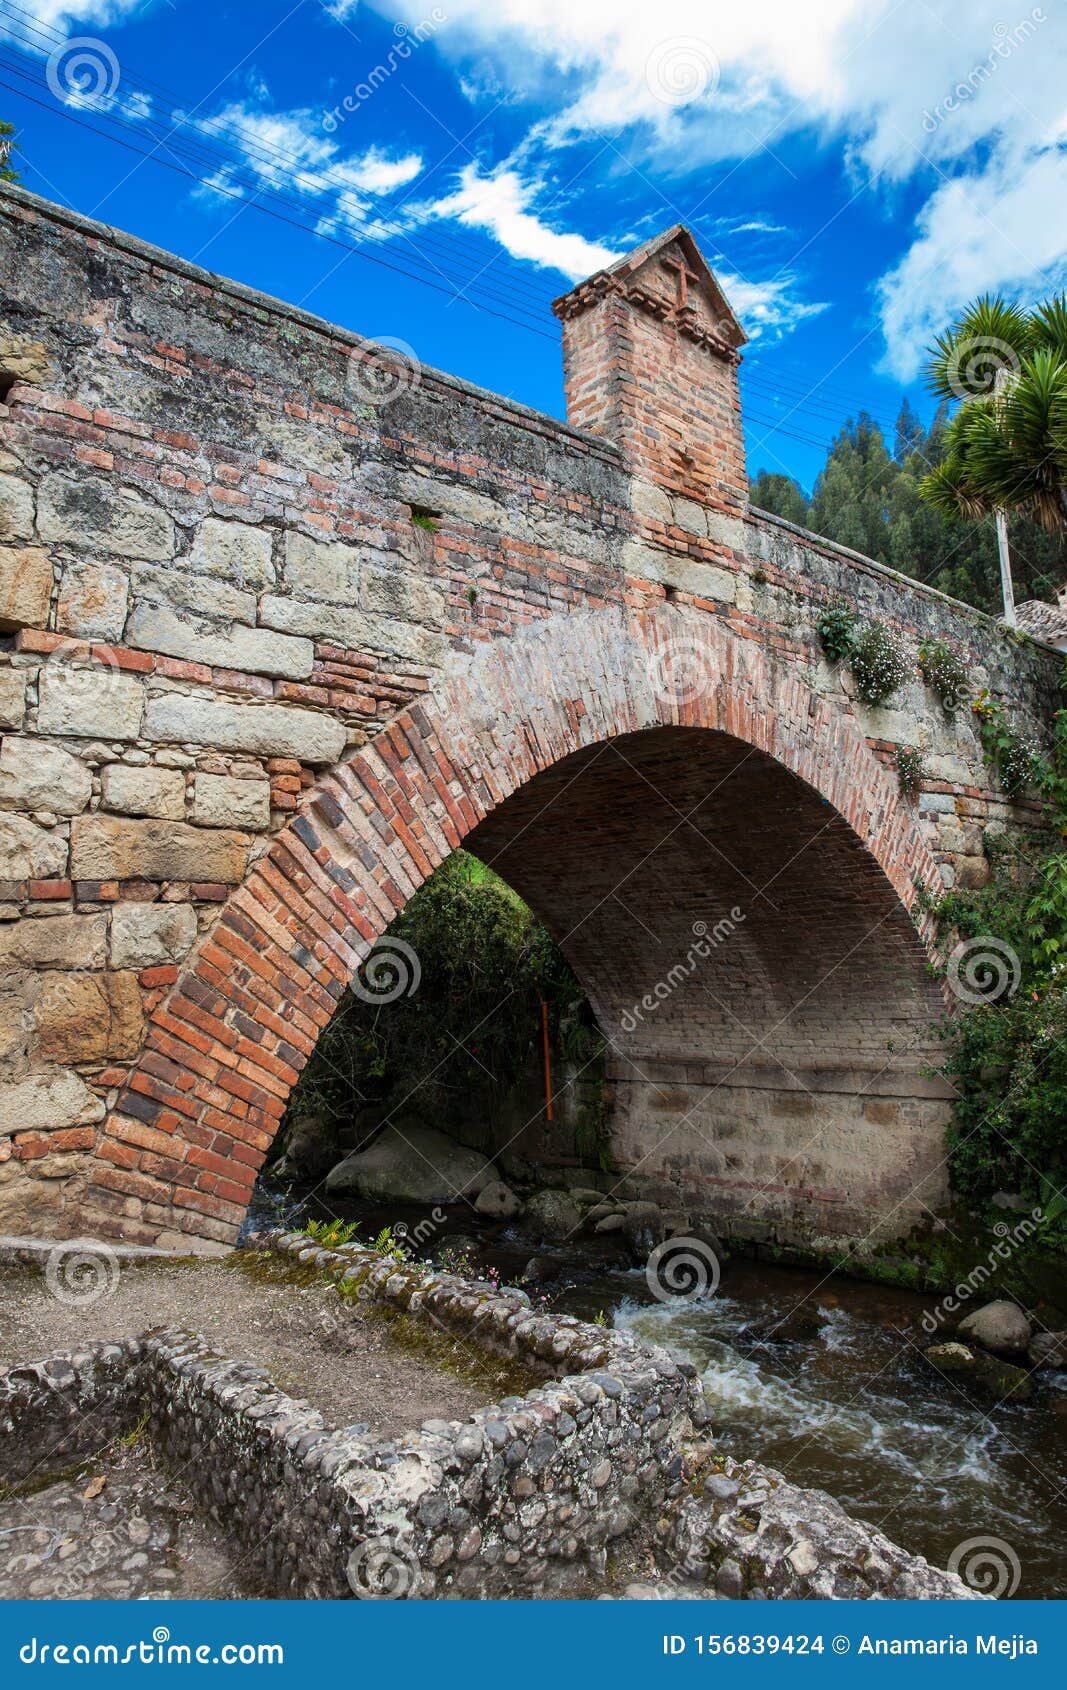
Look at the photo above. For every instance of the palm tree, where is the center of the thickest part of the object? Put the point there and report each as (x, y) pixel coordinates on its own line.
(1006, 445)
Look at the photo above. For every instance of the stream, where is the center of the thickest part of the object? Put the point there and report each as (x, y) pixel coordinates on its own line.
(849, 1408)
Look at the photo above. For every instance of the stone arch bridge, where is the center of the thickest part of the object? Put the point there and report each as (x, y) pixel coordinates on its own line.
(285, 619)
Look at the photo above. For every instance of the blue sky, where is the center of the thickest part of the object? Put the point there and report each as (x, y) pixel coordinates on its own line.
(854, 170)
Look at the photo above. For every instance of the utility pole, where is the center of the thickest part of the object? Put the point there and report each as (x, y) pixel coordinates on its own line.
(1006, 587)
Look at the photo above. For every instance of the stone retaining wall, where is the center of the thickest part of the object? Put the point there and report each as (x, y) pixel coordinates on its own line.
(491, 1506)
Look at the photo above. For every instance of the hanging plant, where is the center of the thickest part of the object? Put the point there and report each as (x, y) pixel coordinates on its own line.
(836, 630)
(945, 672)
(911, 771)
(879, 663)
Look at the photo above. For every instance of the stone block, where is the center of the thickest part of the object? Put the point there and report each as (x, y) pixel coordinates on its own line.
(89, 703)
(95, 515)
(25, 359)
(55, 941)
(401, 592)
(29, 852)
(143, 791)
(151, 935)
(356, 630)
(88, 1017)
(220, 801)
(12, 697)
(113, 848)
(259, 651)
(194, 595)
(234, 551)
(47, 1102)
(25, 587)
(37, 776)
(16, 509)
(322, 569)
(268, 730)
(93, 600)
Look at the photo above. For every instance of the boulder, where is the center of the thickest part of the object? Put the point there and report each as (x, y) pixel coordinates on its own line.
(497, 1200)
(1001, 1327)
(552, 1214)
(413, 1164)
(1048, 1349)
(978, 1374)
(643, 1227)
(309, 1150)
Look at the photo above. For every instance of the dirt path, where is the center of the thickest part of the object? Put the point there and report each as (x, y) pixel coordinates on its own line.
(347, 1366)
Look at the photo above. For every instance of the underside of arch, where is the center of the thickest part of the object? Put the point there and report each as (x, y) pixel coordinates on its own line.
(605, 758)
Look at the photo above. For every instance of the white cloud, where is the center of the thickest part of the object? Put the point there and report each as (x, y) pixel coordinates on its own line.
(1003, 227)
(501, 204)
(767, 310)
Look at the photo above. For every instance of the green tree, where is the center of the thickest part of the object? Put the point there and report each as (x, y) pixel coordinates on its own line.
(1006, 446)
(8, 145)
(780, 495)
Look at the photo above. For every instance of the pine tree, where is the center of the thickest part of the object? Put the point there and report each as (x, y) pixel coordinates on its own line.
(7, 148)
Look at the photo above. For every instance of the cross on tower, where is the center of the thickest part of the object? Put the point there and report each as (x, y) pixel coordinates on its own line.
(685, 275)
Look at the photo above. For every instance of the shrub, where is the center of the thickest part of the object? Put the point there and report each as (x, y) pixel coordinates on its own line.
(1015, 760)
(836, 630)
(879, 663)
(945, 672)
(911, 771)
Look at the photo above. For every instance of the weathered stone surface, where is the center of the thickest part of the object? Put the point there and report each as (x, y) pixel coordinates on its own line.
(37, 776)
(89, 703)
(984, 1376)
(91, 514)
(150, 935)
(88, 1017)
(414, 1164)
(270, 730)
(109, 848)
(93, 600)
(259, 650)
(234, 551)
(361, 630)
(55, 941)
(192, 594)
(1049, 1349)
(28, 851)
(24, 358)
(1001, 1327)
(12, 697)
(25, 587)
(16, 509)
(143, 791)
(47, 1101)
(322, 569)
(221, 801)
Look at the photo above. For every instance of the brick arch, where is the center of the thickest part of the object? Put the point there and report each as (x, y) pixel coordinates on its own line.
(179, 1151)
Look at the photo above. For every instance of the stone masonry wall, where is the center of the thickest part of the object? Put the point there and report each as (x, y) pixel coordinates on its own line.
(282, 621)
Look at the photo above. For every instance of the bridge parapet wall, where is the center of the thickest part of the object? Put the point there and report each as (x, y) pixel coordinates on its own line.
(225, 566)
